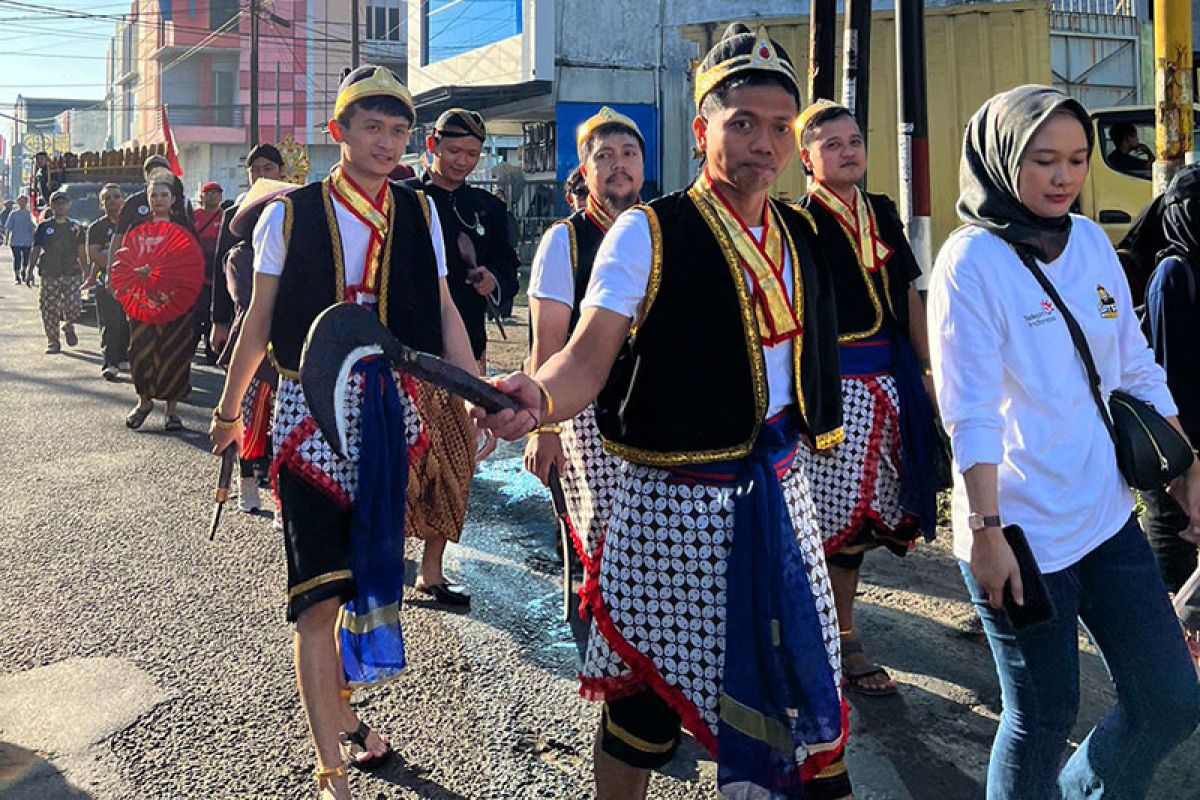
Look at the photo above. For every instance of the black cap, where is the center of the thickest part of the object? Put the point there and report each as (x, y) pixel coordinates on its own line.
(59, 194)
(156, 160)
(268, 151)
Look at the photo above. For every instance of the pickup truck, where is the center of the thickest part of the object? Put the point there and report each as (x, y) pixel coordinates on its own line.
(1118, 188)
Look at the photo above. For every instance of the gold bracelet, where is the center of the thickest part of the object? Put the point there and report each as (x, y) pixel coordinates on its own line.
(555, 429)
(222, 423)
(545, 396)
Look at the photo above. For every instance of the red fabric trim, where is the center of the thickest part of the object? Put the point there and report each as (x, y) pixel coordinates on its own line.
(819, 761)
(643, 673)
(591, 583)
(870, 471)
(289, 455)
(254, 440)
(410, 387)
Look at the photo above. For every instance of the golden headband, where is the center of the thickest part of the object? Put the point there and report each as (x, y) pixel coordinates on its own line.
(605, 116)
(381, 83)
(807, 114)
(763, 57)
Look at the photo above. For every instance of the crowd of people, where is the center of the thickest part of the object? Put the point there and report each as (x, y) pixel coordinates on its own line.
(739, 397)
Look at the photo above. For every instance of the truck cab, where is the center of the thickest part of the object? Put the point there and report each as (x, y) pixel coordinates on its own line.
(1120, 184)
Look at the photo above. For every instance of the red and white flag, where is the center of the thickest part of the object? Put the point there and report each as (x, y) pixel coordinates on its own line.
(172, 152)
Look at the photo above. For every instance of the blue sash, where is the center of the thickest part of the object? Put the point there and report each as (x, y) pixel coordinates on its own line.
(778, 699)
(369, 635)
(881, 354)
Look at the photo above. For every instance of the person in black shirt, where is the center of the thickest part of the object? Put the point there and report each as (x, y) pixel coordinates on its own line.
(1173, 328)
(456, 145)
(114, 327)
(480, 264)
(58, 256)
(1129, 155)
(137, 205)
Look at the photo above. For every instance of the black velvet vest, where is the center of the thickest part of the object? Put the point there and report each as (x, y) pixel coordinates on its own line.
(690, 382)
(314, 276)
(586, 237)
(867, 302)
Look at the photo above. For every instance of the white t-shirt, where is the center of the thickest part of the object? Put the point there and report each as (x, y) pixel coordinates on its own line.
(551, 276)
(622, 270)
(270, 249)
(1013, 391)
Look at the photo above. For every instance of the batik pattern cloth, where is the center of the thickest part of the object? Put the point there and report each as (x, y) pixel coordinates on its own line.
(59, 303)
(301, 445)
(589, 477)
(661, 583)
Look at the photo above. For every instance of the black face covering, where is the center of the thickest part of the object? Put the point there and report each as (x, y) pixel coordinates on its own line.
(1181, 216)
(993, 147)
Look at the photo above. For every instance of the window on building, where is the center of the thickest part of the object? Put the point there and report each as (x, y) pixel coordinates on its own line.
(383, 21)
(454, 27)
(222, 98)
(221, 11)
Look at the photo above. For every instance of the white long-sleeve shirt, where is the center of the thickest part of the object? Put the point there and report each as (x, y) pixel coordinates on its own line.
(1013, 391)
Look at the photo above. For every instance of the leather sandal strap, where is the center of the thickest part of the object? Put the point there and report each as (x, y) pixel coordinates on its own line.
(325, 773)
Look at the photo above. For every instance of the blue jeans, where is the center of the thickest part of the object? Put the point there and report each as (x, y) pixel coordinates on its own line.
(1117, 593)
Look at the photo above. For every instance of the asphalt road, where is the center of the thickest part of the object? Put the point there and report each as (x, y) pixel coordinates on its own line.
(139, 660)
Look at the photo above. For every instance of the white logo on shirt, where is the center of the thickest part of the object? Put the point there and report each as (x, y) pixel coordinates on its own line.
(143, 209)
(1045, 314)
(49, 231)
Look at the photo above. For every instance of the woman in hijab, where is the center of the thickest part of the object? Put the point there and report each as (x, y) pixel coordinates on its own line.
(1031, 450)
(1173, 306)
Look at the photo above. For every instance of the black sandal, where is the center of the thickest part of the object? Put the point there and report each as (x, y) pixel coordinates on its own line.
(173, 423)
(135, 418)
(446, 595)
(856, 680)
(354, 746)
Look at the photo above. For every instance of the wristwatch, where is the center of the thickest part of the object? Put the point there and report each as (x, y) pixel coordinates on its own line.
(978, 522)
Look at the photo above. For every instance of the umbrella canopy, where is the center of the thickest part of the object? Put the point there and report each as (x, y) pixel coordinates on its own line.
(157, 273)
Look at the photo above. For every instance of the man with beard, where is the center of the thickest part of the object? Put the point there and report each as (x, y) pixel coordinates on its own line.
(114, 327)
(879, 487)
(713, 311)
(612, 158)
(482, 272)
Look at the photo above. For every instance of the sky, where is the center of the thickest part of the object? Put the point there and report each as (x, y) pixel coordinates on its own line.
(48, 54)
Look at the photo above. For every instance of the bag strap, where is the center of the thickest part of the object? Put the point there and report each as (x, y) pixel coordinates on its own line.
(1077, 337)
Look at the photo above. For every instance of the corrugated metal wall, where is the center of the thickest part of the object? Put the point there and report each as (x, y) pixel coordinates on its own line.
(972, 52)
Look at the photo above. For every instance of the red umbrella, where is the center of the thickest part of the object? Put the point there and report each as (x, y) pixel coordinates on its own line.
(157, 273)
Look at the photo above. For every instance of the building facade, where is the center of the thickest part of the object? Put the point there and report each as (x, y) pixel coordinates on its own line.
(193, 58)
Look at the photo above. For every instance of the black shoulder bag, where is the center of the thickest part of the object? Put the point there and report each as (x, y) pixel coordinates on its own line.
(1150, 452)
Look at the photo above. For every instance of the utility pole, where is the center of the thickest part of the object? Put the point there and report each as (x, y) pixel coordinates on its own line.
(1172, 88)
(856, 53)
(911, 103)
(822, 42)
(353, 34)
(253, 72)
